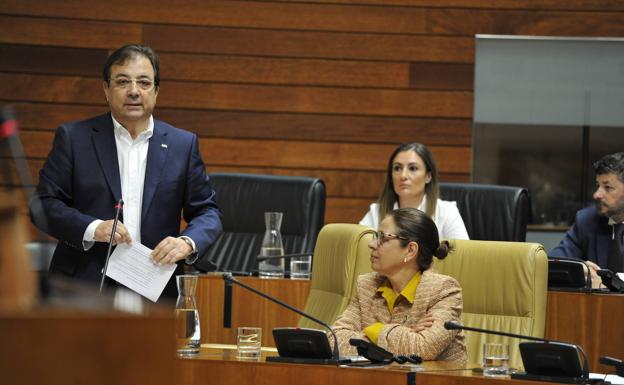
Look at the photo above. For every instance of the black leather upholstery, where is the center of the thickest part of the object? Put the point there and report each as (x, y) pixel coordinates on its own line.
(244, 198)
(490, 212)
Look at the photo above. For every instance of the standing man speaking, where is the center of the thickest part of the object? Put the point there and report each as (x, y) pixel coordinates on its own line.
(126, 154)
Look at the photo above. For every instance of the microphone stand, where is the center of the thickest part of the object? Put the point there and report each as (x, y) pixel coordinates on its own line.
(452, 325)
(227, 277)
(118, 208)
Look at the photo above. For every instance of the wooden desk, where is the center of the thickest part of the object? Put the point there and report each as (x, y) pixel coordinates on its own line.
(221, 367)
(65, 346)
(248, 309)
(593, 321)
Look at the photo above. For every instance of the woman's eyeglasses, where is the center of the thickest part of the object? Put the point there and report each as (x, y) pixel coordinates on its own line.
(380, 237)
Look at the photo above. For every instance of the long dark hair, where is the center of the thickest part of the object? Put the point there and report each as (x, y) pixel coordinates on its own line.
(414, 225)
(388, 197)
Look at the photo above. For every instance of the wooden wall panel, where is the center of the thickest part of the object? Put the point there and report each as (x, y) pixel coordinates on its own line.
(252, 14)
(249, 69)
(283, 153)
(68, 33)
(339, 183)
(469, 22)
(71, 89)
(324, 88)
(255, 125)
(585, 5)
(52, 60)
(441, 76)
(336, 45)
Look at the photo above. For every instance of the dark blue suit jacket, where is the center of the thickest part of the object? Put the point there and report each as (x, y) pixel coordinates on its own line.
(588, 238)
(80, 182)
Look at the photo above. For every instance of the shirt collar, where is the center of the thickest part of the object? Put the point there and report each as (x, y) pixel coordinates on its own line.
(121, 131)
(422, 207)
(408, 292)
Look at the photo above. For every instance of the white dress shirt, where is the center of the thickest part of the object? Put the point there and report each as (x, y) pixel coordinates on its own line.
(446, 217)
(132, 159)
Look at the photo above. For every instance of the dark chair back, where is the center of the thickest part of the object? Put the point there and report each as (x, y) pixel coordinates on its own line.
(243, 200)
(490, 212)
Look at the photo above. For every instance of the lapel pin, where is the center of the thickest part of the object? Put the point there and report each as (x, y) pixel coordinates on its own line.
(163, 145)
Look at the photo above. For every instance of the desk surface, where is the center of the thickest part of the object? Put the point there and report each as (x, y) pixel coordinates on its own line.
(592, 321)
(222, 367)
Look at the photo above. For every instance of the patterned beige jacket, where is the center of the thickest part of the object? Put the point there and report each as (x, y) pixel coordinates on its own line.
(437, 295)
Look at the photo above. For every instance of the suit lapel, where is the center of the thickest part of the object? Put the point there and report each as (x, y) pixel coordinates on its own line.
(156, 160)
(106, 150)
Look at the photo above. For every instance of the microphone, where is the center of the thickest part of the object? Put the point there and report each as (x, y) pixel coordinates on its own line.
(452, 325)
(227, 277)
(118, 208)
(558, 354)
(8, 124)
(617, 364)
(260, 258)
(587, 272)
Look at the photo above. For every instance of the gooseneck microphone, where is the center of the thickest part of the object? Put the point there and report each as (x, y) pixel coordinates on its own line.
(452, 325)
(118, 208)
(617, 364)
(552, 354)
(227, 277)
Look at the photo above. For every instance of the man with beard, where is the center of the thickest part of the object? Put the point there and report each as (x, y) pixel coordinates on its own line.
(597, 233)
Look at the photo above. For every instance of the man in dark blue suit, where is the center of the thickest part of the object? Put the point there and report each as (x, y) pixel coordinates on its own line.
(597, 233)
(154, 167)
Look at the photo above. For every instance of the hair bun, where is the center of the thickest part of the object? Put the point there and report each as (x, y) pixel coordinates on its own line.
(442, 250)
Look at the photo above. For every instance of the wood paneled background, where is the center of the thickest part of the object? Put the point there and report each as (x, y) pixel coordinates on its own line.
(322, 88)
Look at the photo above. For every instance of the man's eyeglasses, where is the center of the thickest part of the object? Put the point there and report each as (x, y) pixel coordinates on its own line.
(380, 237)
(125, 83)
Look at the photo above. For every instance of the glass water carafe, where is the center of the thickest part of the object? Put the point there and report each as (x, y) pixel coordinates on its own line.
(272, 246)
(186, 316)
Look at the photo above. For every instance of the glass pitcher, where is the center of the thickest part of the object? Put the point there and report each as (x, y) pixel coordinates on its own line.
(272, 246)
(186, 316)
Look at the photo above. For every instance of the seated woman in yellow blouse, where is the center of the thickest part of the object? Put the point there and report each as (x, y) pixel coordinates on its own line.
(403, 305)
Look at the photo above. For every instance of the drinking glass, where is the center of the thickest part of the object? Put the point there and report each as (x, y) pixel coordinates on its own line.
(495, 359)
(249, 342)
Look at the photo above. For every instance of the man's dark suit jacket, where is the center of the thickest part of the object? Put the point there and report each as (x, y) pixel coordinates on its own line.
(588, 238)
(80, 183)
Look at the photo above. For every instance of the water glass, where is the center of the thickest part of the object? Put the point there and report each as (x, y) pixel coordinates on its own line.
(495, 359)
(248, 343)
(300, 267)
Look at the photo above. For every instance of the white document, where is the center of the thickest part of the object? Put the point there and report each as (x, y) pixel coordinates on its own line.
(132, 266)
(610, 377)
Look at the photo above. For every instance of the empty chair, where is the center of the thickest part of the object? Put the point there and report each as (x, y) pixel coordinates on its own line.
(340, 256)
(490, 212)
(243, 200)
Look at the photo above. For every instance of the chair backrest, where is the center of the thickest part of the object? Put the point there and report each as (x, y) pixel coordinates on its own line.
(340, 256)
(504, 288)
(243, 200)
(491, 212)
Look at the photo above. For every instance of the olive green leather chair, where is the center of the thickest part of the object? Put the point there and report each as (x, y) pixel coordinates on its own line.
(504, 288)
(341, 254)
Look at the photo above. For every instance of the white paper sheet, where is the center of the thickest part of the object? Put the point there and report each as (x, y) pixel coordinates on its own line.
(611, 378)
(132, 266)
